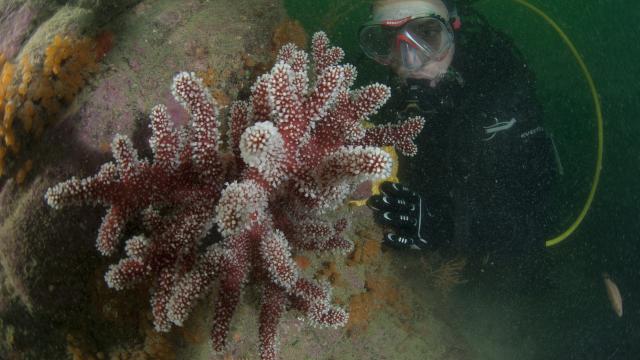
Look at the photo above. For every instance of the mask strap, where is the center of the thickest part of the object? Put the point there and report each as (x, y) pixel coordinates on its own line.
(456, 23)
(454, 19)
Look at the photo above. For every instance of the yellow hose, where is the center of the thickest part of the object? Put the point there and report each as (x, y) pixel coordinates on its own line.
(598, 110)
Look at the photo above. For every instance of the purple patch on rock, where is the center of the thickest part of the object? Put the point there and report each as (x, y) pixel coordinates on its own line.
(108, 111)
(14, 27)
(177, 112)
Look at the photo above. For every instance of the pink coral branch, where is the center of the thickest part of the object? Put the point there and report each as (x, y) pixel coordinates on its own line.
(231, 288)
(111, 230)
(314, 301)
(193, 285)
(401, 135)
(273, 305)
(189, 90)
(323, 54)
(164, 142)
(239, 121)
(276, 255)
(323, 96)
(160, 299)
(260, 98)
(316, 235)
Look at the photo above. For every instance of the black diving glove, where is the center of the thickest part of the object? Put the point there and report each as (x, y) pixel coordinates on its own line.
(401, 210)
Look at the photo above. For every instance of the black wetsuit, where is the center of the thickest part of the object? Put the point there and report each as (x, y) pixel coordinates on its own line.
(485, 163)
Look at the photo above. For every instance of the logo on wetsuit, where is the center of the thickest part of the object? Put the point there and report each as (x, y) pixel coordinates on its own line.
(531, 132)
(492, 130)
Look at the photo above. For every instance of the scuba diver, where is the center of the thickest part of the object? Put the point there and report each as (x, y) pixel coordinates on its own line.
(485, 164)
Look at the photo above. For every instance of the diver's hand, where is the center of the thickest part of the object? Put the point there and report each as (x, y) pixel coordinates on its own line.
(401, 210)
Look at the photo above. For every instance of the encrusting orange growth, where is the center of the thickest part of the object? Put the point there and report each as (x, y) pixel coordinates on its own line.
(361, 306)
(330, 272)
(27, 115)
(3, 152)
(36, 94)
(24, 170)
(104, 43)
(302, 261)
(55, 54)
(9, 111)
(366, 250)
(27, 75)
(381, 293)
(71, 61)
(6, 78)
(7, 74)
(289, 31)
(10, 139)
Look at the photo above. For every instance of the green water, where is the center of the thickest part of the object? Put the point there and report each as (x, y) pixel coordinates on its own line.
(566, 316)
(606, 242)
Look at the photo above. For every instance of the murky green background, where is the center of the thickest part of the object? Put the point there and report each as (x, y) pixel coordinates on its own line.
(567, 316)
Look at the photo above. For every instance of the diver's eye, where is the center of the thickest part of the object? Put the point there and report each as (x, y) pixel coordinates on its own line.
(428, 32)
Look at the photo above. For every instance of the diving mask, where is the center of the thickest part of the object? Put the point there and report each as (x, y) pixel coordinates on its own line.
(406, 39)
(412, 43)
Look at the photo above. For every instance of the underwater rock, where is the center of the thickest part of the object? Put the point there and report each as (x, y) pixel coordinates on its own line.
(47, 258)
(42, 255)
(15, 22)
(65, 20)
(158, 39)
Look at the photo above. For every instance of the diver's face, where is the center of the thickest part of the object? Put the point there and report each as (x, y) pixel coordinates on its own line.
(433, 70)
(403, 64)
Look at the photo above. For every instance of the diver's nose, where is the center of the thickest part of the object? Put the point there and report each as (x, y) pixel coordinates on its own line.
(409, 55)
(408, 52)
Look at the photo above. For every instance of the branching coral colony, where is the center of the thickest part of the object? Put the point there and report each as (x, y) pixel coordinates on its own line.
(295, 150)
